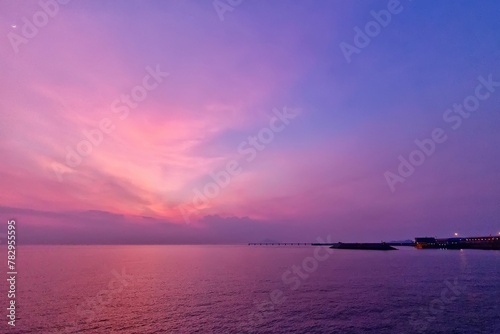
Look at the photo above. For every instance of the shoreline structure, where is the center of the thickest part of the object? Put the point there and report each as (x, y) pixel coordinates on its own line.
(486, 243)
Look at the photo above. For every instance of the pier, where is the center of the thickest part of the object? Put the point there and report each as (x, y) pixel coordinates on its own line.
(281, 244)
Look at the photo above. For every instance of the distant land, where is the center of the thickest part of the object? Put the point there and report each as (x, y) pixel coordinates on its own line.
(484, 242)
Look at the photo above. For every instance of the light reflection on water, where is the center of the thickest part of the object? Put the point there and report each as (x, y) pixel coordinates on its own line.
(226, 289)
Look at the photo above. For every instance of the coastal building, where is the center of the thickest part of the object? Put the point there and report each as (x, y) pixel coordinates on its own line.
(490, 242)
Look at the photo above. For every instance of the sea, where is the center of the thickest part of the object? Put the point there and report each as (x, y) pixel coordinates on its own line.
(253, 289)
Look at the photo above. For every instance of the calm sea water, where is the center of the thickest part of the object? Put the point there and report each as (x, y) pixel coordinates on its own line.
(240, 289)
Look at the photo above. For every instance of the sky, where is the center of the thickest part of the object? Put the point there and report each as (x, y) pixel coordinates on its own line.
(240, 121)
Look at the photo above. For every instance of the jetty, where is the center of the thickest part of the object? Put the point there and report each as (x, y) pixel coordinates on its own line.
(364, 246)
(282, 244)
(338, 245)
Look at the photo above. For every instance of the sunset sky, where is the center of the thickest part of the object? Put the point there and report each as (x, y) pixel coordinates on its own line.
(322, 173)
